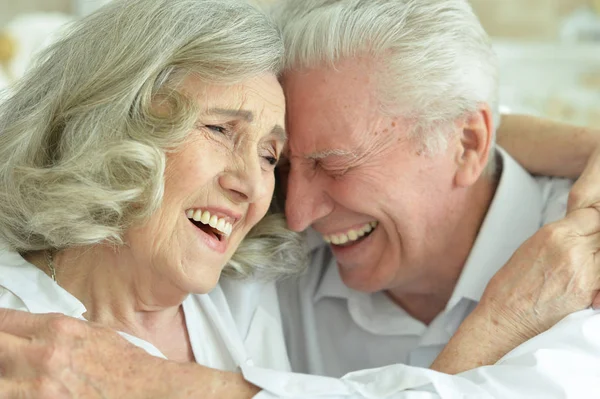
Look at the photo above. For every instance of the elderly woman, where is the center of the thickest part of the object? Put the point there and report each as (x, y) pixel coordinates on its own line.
(136, 157)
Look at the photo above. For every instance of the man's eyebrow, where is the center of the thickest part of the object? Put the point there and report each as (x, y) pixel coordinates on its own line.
(328, 153)
(248, 116)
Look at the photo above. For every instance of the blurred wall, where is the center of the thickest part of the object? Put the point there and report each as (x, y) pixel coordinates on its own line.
(10, 8)
(527, 19)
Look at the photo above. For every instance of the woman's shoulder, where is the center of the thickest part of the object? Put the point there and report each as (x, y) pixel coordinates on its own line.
(9, 261)
(25, 287)
(8, 300)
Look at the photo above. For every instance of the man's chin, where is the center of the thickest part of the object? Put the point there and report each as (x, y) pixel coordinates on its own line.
(360, 277)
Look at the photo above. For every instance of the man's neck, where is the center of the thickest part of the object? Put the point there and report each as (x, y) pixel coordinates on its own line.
(424, 302)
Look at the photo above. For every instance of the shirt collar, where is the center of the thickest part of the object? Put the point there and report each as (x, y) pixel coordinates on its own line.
(515, 214)
(331, 284)
(38, 291)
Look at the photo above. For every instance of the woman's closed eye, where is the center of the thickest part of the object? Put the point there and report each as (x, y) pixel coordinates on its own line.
(270, 159)
(218, 129)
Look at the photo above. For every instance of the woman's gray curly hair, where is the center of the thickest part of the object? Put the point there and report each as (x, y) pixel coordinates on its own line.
(83, 152)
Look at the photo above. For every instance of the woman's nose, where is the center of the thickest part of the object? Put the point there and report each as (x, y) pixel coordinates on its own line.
(245, 182)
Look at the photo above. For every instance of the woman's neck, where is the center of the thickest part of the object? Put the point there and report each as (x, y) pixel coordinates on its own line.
(124, 296)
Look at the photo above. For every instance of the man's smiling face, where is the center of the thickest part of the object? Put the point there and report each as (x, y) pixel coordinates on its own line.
(358, 179)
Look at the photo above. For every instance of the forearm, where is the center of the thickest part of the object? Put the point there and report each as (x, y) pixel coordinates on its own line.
(190, 380)
(547, 147)
(479, 341)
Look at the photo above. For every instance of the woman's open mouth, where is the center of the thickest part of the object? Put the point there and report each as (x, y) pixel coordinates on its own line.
(208, 230)
(212, 225)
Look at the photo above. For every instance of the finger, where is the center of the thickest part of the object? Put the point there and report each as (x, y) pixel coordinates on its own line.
(23, 324)
(13, 352)
(586, 190)
(39, 388)
(11, 389)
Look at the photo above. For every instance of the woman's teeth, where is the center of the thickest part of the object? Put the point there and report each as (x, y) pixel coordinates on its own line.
(211, 220)
(352, 235)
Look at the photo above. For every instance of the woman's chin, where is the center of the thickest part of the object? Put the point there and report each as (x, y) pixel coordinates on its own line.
(203, 283)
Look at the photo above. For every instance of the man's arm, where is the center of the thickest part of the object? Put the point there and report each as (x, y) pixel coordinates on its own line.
(551, 148)
(547, 147)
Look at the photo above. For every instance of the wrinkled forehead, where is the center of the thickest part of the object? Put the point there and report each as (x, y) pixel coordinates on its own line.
(330, 107)
(260, 99)
(348, 82)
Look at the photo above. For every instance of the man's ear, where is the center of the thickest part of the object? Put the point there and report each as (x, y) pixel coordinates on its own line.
(476, 134)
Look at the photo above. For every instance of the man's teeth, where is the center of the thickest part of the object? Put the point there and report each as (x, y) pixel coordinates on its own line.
(352, 235)
(212, 220)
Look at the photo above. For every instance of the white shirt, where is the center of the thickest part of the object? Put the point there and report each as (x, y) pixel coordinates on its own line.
(239, 336)
(333, 330)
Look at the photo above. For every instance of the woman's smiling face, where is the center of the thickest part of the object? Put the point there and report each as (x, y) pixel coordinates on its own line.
(218, 185)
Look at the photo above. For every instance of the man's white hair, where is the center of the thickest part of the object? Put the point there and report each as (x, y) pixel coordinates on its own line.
(435, 61)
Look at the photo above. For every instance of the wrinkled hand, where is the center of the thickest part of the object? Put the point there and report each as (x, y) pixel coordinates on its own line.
(53, 356)
(554, 273)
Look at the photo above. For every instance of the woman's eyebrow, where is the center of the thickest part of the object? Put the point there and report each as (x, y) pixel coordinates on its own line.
(248, 116)
(277, 131)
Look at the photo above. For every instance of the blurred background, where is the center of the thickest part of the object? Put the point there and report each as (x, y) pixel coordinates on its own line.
(549, 50)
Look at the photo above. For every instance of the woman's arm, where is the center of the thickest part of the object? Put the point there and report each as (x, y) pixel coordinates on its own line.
(547, 147)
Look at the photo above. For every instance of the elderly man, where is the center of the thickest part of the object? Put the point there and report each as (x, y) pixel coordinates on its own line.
(391, 109)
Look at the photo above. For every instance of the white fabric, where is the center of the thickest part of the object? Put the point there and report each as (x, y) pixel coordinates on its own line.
(214, 335)
(333, 330)
(562, 363)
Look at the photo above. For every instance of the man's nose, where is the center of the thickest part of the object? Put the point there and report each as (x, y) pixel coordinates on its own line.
(306, 201)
